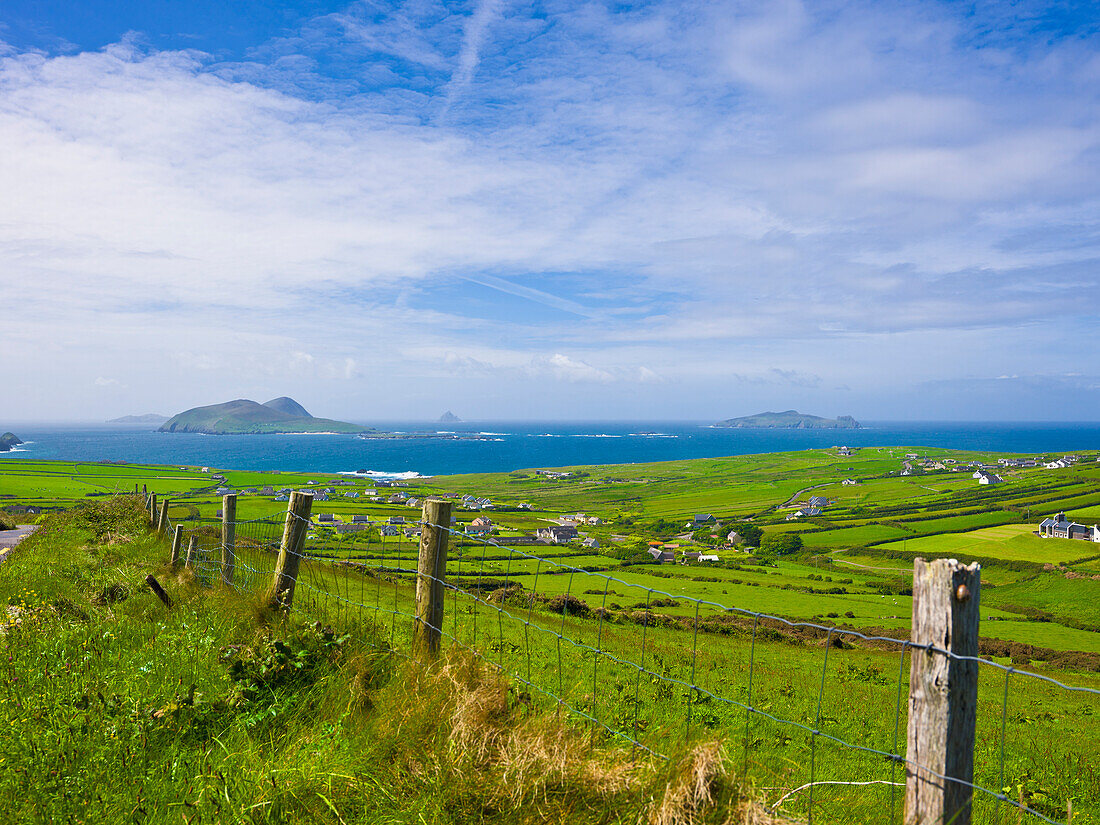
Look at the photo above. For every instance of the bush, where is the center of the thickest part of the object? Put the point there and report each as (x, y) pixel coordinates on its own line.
(780, 544)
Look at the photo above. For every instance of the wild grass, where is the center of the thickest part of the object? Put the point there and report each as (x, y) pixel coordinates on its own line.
(116, 709)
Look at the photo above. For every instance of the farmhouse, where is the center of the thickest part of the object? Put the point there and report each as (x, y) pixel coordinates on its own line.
(1058, 527)
(558, 534)
(662, 555)
(818, 501)
(988, 478)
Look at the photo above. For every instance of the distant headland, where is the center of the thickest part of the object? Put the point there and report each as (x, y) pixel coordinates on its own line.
(147, 418)
(790, 420)
(244, 417)
(449, 418)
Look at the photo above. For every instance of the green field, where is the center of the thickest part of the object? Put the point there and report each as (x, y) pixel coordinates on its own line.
(1011, 541)
(856, 574)
(858, 552)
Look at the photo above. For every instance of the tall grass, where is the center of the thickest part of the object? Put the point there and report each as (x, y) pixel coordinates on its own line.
(116, 709)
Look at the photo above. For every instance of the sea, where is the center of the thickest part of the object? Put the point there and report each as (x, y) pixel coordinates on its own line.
(502, 446)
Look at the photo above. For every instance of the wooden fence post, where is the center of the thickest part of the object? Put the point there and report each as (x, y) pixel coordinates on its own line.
(290, 549)
(943, 693)
(177, 542)
(152, 508)
(229, 536)
(431, 568)
(192, 551)
(162, 524)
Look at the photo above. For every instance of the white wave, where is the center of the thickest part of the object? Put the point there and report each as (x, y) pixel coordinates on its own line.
(494, 433)
(408, 474)
(444, 432)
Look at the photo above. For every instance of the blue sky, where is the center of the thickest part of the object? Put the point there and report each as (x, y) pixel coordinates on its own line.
(552, 210)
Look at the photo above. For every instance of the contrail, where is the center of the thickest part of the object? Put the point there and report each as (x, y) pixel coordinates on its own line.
(473, 37)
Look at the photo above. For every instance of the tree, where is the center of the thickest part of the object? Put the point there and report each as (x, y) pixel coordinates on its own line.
(750, 534)
(781, 543)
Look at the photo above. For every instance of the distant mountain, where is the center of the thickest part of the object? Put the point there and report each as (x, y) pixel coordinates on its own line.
(288, 406)
(281, 415)
(9, 440)
(790, 420)
(449, 418)
(148, 418)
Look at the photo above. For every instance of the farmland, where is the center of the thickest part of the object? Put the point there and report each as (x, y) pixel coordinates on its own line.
(853, 566)
(1039, 600)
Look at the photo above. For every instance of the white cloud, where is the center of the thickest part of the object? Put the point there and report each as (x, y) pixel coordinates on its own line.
(674, 193)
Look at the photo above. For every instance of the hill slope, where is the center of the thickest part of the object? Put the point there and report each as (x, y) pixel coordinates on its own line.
(790, 420)
(243, 416)
(289, 406)
(147, 418)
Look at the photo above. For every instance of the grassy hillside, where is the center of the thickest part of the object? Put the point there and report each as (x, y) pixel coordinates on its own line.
(117, 710)
(246, 417)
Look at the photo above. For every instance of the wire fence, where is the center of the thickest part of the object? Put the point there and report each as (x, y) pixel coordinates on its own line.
(814, 714)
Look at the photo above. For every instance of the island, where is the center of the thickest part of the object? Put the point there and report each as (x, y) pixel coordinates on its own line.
(8, 441)
(147, 418)
(449, 418)
(244, 417)
(790, 420)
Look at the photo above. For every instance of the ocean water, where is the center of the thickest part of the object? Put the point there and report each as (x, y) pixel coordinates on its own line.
(504, 446)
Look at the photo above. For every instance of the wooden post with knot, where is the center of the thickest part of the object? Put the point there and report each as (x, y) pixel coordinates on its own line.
(290, 550)
(229, 536)
(431, 570)
(943, 693)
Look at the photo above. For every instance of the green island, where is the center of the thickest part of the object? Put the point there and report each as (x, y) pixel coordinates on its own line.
(245, 417)
(217, 710)
(8, 441)
(790, 420)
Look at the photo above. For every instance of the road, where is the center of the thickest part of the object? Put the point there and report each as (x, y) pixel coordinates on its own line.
(10, 538)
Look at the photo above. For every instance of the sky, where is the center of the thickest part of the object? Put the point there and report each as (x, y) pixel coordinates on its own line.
(551, 210)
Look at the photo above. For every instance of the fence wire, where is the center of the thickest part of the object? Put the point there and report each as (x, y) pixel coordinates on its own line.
(626, 671)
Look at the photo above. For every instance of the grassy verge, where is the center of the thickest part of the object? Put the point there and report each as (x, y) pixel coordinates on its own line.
(116, 709)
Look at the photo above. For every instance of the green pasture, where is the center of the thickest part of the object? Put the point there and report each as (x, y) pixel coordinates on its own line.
(592, 666)
(1009, 541)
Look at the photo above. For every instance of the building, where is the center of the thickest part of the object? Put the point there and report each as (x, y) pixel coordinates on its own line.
(662, 555)
(558, 534)
(988, 478)
(326, 518)
(590, 543)
(849, 482)
(1058, 527)
(360, 519)
(702, 518)
(818, 501)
